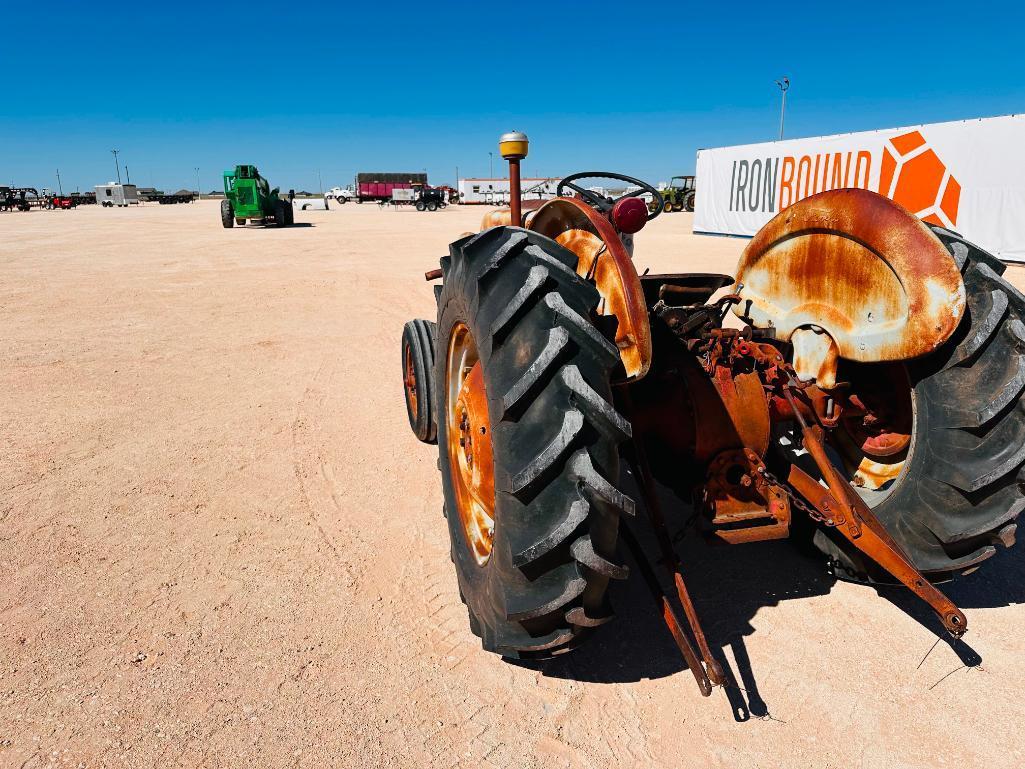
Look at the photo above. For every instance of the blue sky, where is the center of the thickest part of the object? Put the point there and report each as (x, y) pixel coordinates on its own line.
(340, 87)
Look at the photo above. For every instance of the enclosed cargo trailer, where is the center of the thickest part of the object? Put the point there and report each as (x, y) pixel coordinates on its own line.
(114, 194)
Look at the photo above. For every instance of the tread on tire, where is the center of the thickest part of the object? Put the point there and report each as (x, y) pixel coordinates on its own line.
(957, 500)
(555, 437)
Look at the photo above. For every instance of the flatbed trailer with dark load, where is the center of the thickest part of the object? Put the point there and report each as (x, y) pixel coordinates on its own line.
(164, 199)
(17, 198)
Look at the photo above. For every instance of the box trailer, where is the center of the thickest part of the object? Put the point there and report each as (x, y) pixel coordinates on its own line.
(380, 185)
(422, 197)
(120, 195)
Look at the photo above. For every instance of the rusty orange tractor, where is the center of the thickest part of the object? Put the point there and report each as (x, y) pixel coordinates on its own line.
(866, 390)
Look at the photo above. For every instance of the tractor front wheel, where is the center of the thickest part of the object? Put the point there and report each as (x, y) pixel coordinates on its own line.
(528, 442)
(227, 215)
(418, 339)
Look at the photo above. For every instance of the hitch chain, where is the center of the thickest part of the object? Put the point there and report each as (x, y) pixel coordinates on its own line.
(796, 500)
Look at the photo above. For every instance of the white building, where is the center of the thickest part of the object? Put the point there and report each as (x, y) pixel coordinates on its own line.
(495, 192)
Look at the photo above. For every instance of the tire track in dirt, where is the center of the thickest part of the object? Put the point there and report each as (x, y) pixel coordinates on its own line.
(316, 484)
(467, 707)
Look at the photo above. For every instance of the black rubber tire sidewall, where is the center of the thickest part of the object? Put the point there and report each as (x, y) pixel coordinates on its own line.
(926, 515)
(492, 591)
(419, 337)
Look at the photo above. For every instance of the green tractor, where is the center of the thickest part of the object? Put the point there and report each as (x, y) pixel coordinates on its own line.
(678, 196)
(247, 195)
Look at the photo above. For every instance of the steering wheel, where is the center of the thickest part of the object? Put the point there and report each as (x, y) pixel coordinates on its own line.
(603, 204)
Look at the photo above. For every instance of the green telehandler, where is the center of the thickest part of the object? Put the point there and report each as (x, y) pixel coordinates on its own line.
(248, 196)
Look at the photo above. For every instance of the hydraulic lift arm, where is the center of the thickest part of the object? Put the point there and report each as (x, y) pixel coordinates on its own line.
(839, 506)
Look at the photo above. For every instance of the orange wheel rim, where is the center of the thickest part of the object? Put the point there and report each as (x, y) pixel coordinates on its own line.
(468, 443)
(409, 380)
(877, 444)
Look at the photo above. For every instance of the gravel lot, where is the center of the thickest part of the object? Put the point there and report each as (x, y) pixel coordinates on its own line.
(221, 546)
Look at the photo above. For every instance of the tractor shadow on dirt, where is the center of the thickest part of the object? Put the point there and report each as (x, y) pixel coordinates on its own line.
(998, 583)
(728, 586)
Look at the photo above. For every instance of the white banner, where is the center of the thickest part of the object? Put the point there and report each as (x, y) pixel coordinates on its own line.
(967, 176)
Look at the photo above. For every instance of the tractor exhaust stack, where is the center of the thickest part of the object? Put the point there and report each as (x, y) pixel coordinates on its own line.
(513, 147)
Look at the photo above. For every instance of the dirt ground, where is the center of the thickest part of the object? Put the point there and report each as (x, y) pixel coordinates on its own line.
(221, 546)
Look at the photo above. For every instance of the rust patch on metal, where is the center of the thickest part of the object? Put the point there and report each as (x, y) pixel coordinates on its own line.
(503, 216)
(859, 266)
(815, 356)
(603, 258)
(497, 218)
(740, 418)
(873, 434)
(745, 506)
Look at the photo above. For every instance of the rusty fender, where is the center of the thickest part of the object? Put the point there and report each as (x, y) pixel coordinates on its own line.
(850, 274)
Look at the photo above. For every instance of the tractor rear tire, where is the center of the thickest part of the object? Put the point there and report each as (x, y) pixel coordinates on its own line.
(418, 340)
(688, 202)
(227, 215)
(280, 213)
(289, 214)
(432, 206)
(555, 434)
(963, 484)
(420, 205)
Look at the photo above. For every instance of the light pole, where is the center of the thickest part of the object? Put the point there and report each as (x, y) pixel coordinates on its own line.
(118, 167)
(784, 86)
(199, 192)
(60, 189)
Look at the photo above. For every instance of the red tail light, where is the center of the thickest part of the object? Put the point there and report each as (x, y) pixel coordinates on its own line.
(629, 215)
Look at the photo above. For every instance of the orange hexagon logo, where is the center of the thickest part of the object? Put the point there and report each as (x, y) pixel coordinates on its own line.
(914, 176)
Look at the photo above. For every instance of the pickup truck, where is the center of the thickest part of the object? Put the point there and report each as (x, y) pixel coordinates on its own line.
(340, 194)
